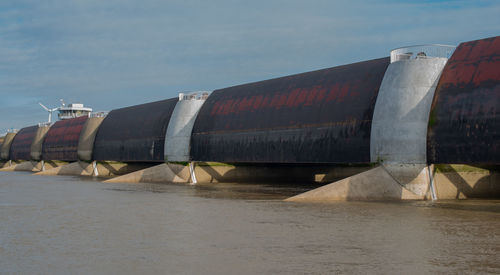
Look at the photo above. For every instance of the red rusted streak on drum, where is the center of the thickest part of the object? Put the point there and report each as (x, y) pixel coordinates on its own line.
(464, 125)
(61, 141)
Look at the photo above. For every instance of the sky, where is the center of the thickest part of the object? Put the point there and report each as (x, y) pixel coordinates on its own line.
(116, 53)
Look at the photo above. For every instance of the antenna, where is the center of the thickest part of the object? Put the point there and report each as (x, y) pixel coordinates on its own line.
(62, 102)
(49, 110)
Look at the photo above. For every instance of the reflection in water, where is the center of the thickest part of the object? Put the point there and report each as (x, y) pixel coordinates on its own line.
(70, 224)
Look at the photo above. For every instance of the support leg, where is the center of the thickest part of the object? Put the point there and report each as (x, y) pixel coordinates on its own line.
(94, 168)
(193, 175)
(431, 183)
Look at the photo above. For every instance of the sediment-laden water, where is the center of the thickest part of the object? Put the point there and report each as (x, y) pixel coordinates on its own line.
(72, 225)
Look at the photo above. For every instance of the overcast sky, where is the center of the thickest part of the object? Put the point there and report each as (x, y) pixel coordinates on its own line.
(115, 53)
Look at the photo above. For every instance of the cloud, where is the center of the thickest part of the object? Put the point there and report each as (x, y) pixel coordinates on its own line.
(110, 54)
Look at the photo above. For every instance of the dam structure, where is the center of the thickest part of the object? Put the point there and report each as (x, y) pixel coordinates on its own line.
(422, 124)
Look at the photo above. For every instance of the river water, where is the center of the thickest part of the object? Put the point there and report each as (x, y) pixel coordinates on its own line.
(73, 225)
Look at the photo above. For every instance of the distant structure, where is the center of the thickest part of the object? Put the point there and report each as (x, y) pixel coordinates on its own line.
(68, 111)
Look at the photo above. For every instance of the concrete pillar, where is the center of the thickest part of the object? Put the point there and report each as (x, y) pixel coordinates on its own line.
(401, 116)
(36, 145)
(87, 138)
(399, 127)
(180, 126)
(5, 149)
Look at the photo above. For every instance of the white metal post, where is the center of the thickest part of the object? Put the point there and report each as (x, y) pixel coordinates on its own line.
(431, 183)
(94, 168)
(191, 171)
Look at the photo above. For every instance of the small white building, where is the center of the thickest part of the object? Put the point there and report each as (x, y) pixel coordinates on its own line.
(73, 110)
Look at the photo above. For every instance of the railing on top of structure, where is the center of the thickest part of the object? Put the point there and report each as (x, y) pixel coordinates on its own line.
(93, 114)
(422, 51)
(44, 124)
(201, 95)
(11, 130)
(98, 114)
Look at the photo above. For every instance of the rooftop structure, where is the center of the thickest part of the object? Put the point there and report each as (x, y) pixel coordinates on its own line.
(68, 111)
(73, 110)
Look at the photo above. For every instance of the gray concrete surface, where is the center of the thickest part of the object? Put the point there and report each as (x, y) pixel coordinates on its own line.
(401, 116)
(178, 135)
(5, 149)
(87, 138)
(374, 184)
(164, 173)
(36, 145)
(105, 169)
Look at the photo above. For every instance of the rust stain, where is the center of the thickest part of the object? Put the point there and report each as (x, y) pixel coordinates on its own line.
(466, 117)
(61, 141)
(321, 116)
(21, 145)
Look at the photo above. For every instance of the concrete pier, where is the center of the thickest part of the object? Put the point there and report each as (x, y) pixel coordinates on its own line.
(5, 149)
(31, 166)
(398, 183)
(87, 138)
(213, 172)
(104, 169)
(374, 184)
(166, 172)
(180, 126)
(36, 145)
(401, 116)
(454, 181)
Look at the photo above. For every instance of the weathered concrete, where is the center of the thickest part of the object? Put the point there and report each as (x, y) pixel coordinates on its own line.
(166, 172)
(104, 169)
(212, 172)
(31, 166)
(411, 182)
(73, 169)
(180, 126)
(36, 145)
(341, 172)
(374, 184)
(6, 164)
(414, 177)
(21, 166)
(401, 116)
(87, 138)
(465, 181)
(5, 149)
(222, 172)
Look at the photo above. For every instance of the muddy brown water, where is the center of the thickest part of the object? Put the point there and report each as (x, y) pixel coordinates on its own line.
(73, 225)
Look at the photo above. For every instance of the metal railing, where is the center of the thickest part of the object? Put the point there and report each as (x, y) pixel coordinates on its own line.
(44, 124)
(98, 114)
(200, 95)
(422, 52)
(11, 130)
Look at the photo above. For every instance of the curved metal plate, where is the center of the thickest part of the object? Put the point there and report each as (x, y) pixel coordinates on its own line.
(61, 142)
(134, 134)
(464, 124)
(20, 148)
(322, 116)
